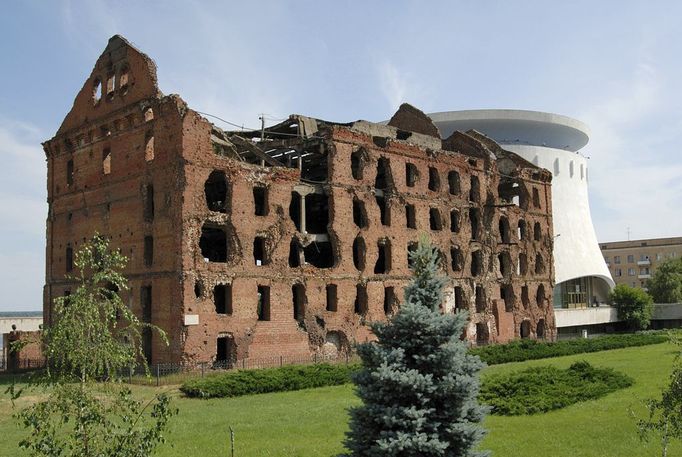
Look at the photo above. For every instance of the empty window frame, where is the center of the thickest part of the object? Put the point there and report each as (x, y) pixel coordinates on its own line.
(435, 219)
(434, 179)
(361, 299)
(537, 232)
(482, 336)
(357, 163)
(505, 232)
(539, 264)
(295, 209)
(383, 177)
(332, 297)
(69, 172)
(540, 329)
(106, 161)
(316, 213)
(460, 302)
(505, 263)
(149, 146)
(536, 197)
(298, 298)
(225, 351)
(456, 259)
(319, 254)
(359, 253)
(540, 296)
(383, 263)
(263, 306)
(474, 189)
(524, 331)
(454, 186)
(69, 258)
(148, 203)
(295, 253)
(259, 251)
(390, 300)
(411, 174)
(522, 268)
(215, 190)
(410, 216)
(222, 298)
(476, 263)
(148, 251)
(411, 249)
(213, 243)
(260, 201)
(475, 220)
(454, 221)
(384, 210)
(359, 213)
(524, 296)
(480, 299)
(521, 230)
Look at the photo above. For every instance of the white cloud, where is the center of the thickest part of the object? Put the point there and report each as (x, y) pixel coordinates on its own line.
(398, 86)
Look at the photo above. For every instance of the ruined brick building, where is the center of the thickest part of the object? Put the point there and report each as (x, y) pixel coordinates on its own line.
(289, 241)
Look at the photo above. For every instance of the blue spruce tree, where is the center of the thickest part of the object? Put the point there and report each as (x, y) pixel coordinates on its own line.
(418, 384)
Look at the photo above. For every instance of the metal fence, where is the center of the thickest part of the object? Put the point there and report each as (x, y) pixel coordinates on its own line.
(176, 373)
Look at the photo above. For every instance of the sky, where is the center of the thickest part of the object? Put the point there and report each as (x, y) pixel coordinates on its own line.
(615, 65)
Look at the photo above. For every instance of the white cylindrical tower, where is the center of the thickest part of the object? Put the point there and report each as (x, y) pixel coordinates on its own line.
(553, 142)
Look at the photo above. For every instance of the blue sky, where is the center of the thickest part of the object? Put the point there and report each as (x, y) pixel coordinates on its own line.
(615, 65)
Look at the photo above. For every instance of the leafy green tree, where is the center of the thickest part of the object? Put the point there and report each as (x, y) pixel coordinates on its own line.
(418, 384)
(634, 306)
(665, 414)
(92, 338)
(665, 285)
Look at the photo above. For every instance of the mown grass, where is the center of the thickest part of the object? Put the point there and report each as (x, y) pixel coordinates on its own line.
(312, 422)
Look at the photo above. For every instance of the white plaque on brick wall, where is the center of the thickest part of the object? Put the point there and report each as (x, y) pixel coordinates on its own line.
(191, 319)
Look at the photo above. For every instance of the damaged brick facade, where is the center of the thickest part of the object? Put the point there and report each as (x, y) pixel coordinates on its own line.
(289, 241)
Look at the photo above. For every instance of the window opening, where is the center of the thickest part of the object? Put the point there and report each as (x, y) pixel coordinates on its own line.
(259, 251)
(384, 212)
(148, 251)
(460, 304)
(524, 297)
(507, 294)
(263, 308)
(215, 190)
(225, 351)
(505, 233)
(319, 254)
(525, 329)
(454, 186)
(359, 213)
(260, 200)
(434, 179)
(537, 232)
(357, 163)
(316, 213)
(106, 161)
(149, 146)
(521, 230)
(410, 216)
(540, 296)
(213, 244)
(435, 221)
(69, 172)
(389, 300)
(539, 264)
(332, 298)
(475, 189)
(474, 219)
(476, 263)
(481, 333)
(480, 299)
(411, 174)
(299, 301)
(359, 249)
(456, 258)
(536, 197)
(148, 201)
(383, 177)
(222, 298)
(454, 221)
(383, 263)
(361, 300)
(69, 258)
(295, 252)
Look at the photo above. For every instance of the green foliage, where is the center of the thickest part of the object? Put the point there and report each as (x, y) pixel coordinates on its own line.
(93, 335)
(287, 378)
(418, 384)
(665, 285)
(541, 389)
(665, 414)
(634, 306)
(526, 349)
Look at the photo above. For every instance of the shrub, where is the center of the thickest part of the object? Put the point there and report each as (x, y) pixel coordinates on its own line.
(634, 306)
(246, 382)
(541, 389)
(520, 350)
(665, 285)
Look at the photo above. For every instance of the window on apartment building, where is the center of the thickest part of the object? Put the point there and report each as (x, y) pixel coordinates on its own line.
(260, 200)
(69, 172)
(411, 174)
(454, 186)
(616, 259)
(631, 271)
(222, 298)
(332, 297)
(263, 307)
(618, 272)
(631, 258)
(434, 179)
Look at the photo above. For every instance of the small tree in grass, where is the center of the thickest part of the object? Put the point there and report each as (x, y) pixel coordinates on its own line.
(665, 414)
(634, 306)
(418, 384)
(665, 285)
(92, 338)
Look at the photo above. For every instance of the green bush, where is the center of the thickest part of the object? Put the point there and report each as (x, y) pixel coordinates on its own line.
(541, 389)
(246, 382)
(520, 350)
(634, 306)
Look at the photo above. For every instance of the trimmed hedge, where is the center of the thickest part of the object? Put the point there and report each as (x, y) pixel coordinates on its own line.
(520, 350)
(297, 377)
(286, 378)
(541, 389)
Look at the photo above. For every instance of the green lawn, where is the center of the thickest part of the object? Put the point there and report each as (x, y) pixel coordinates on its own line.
(312, 422)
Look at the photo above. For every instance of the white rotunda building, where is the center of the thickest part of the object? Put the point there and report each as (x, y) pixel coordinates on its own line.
(553, 142)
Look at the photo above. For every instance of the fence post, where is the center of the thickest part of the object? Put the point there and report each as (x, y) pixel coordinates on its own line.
(157, 375)
(202, 369)
(346, 358)
(243, 363)
(281, 361)
(315, 358)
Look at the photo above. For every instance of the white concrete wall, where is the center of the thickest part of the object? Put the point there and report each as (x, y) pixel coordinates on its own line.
(26, 324)
(585, 316)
